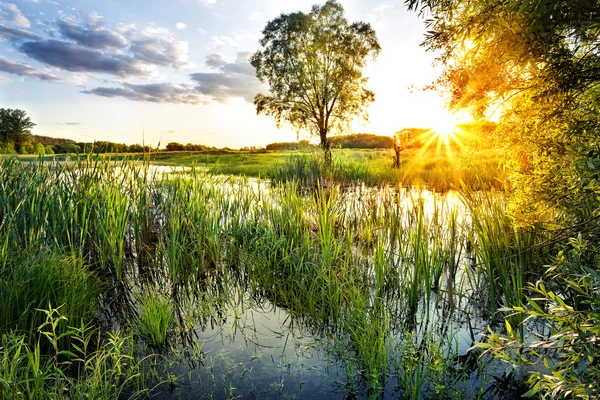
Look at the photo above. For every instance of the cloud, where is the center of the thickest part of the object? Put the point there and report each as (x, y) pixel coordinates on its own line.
(235, 79)
(4, 79)
(181, 25)
(24, 70)
(92, 36)
(235, 40)
(11, 16)
(215, 60)
(74, 58)
(125, 27)
(70, 123)
(153, 93)
(157, 46)
(14, 34)
(88, 47)
(207, 2)
(95, 20)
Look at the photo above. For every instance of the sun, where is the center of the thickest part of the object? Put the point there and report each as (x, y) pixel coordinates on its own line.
(443, 135)
(444, 127)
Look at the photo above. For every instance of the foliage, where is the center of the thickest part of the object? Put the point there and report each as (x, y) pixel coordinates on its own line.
(301, 144)
(174, 146)
(33, 279)
(155, 317)
(536, 65)
(49, 141)
(361, 141)
(15, 132)
(80, 367)
(565, 362)
(313, 65)
(65, 148)
(402, 140)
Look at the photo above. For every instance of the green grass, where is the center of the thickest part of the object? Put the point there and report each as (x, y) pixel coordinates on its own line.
(432, 168)
(31, 280)
(155, 316)
(363, 268)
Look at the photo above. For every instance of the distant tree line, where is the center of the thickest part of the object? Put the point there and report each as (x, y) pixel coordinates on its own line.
(354, 141)
(302, 144)
(361, 141)
(99, 148)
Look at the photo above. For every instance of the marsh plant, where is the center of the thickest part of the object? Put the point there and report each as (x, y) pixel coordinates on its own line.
(155, 316)
(386, 278)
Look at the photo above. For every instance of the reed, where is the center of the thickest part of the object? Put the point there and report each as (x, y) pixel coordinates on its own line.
(154, 319)
(35, 279)
(364, 268)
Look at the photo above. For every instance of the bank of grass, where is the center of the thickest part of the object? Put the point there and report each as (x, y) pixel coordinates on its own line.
(155, 316)
(431, 168)
(33, 279)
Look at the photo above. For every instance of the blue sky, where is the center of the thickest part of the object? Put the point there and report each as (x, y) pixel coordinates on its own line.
(178, 70)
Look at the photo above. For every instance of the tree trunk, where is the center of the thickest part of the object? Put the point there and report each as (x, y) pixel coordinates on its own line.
(326, 146)
(397, 157)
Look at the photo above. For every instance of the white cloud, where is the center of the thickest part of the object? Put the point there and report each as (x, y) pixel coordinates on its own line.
(95, 19)
(4, 79)
(11, 15)
(125, 27)
(236, 39)
(384, 6)
(181, 25)
(207, 2)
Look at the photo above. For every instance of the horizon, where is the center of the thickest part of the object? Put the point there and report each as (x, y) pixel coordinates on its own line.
(110, 71)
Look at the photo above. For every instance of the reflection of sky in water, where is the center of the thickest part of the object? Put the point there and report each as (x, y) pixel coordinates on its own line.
(259, 355)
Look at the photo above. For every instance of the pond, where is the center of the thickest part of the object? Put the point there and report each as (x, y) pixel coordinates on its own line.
(239, 288)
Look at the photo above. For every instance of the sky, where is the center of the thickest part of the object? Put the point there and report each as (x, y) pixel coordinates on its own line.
(178, 70)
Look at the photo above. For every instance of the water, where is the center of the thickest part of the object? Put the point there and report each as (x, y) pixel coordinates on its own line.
(253, 353)
(233, 341)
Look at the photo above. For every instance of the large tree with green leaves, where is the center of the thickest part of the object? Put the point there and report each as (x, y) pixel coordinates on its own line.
(15, 129)
(313, 65)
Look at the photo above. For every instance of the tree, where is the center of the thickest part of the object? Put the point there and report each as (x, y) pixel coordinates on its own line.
(15, 128)
(403, 139)
(313, 65)
(538, 63)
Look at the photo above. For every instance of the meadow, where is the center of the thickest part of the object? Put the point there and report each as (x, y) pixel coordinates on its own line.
(430, 168)
(120, 281)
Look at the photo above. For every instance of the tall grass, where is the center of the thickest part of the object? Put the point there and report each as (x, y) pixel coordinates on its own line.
(155, 317)
(36, 279)
(363, 267)
(83, 366)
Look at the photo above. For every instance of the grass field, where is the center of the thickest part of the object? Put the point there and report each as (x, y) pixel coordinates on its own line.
(429, 168)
